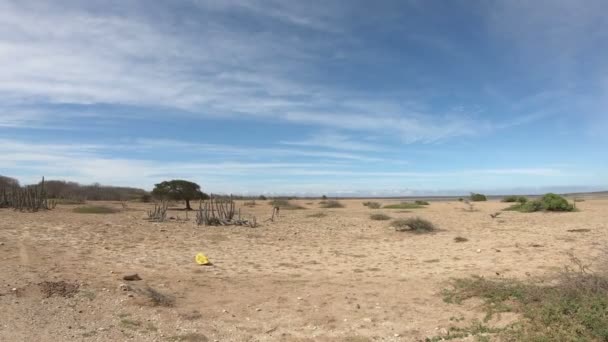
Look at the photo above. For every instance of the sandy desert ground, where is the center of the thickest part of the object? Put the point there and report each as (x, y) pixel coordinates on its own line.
(342, 277)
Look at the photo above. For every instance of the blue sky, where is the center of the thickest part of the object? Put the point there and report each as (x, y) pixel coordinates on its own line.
(307, 97)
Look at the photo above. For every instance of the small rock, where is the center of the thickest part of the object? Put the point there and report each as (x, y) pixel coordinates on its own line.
(299, 298)
(14, 289)
(258, 309)
(397, 335)
(131, 277)
(479, 251)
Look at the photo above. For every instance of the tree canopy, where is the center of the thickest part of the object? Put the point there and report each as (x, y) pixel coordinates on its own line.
(179, 190)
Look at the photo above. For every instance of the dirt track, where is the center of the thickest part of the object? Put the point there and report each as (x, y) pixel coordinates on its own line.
(342, 277)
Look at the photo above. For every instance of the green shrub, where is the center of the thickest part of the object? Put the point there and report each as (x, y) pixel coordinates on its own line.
(332, 204)
(379, 217)
(549, 202)
(513, 198)
(95, 210)
(478, 197)
(415, 225)
(553, 202)
(262, 198)
(372, 205)
(403, 205)
(420, 202)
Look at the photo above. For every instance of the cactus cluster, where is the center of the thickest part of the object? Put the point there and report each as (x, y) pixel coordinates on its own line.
(221, 212)
(159, 214)
(30, 198)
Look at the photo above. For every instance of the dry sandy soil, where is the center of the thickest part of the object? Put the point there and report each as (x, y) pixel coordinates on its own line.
(342, 277)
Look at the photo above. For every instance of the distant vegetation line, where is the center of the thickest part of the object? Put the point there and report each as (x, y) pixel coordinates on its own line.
(98, 192)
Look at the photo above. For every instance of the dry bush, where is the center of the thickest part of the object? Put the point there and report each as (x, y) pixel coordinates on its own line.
(157, 298)
(332, 204)
(379, 217)
(415, 225)
(460, 239)
(372, 205)
(285, 204)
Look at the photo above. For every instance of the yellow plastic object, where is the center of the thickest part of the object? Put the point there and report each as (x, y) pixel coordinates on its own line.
(201, 259)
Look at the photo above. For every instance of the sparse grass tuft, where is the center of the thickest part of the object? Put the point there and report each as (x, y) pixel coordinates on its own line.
(379, 217)
(318, 215)
(189, 337)
(95, 209)
(460, 239)
(372, 205)
(285, 204)
(573, 309)
(420, 202)
(403, 205)
(332, 204)
(157, 298)
(415, 225)
(69, 201)
(129, 323)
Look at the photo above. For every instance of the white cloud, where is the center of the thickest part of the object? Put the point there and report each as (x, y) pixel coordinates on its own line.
(128, 56)
(336, 141)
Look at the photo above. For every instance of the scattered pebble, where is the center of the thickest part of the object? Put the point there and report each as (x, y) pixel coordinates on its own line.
(479, 251)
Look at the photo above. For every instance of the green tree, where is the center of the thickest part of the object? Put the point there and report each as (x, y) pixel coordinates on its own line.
(179, 190)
